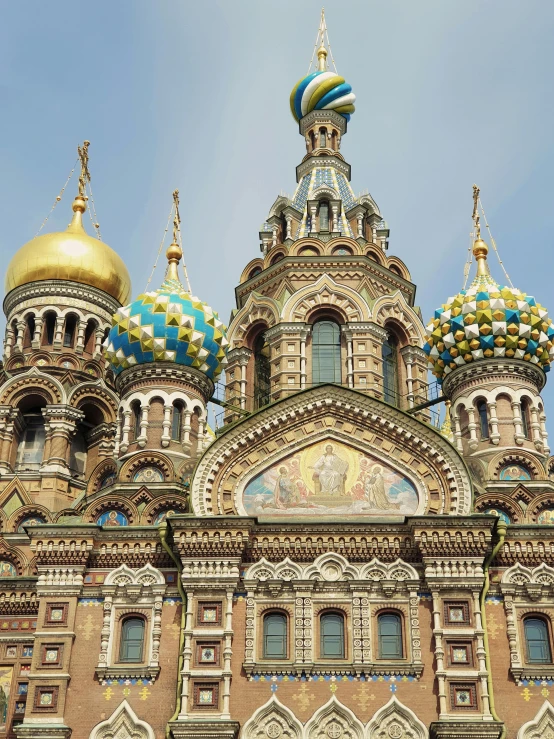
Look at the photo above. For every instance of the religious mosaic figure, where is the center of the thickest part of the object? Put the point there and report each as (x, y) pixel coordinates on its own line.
(330, 473)
(374, 490)
(285, 490)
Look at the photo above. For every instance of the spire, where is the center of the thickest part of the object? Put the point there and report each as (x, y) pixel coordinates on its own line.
(174, 252)
(480, 249)
(322, 47)
(80, 203)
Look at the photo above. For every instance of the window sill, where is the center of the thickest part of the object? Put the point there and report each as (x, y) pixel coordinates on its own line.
(128, 672)
(336, 667)
(533, 672)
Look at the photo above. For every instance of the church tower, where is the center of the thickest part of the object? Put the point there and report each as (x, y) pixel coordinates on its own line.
(325, 303)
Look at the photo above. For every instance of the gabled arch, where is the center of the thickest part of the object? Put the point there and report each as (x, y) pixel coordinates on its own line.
(34, 380)
(331, 567)
(273, 719)
(278, 206)
(396, 720)
(258, 308)
(123, 722)
(325, 293)
(395, 307)
(539, 726)
(321, 725)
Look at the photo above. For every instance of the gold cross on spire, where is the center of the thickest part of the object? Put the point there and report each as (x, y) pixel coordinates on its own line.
(322, 46)
(84, 177)
(176, 216)
(475, 215)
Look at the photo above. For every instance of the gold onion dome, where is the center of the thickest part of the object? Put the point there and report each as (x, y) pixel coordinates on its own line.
(486, 321)
(71, 255)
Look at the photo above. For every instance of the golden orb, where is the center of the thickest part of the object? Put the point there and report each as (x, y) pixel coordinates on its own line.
(480, 249)
(71, 255)
(174, 251)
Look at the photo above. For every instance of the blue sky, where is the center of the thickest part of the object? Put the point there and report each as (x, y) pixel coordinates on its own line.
(173, 93)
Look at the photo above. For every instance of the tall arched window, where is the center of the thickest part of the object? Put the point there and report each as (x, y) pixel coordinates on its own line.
(323, 216)
(131, 646)
(537, 641)
(136, 419)
(29, 331)
(176, 422)
(30, 449)
(262, 371)
(322, 138)
(49, 328)
(389, 627)
(483, 419)
(90, 336)
(390, 369)
(69, 331)
(326, 359)
(275, 636)
(331, 636)
(78, 452)
(525, 420)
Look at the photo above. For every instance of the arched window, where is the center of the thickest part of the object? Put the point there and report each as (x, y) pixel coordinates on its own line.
(30, 450)
(323, 216)
(176, 422)
(525, 420)
(49, 328)
(136, 419)
(262, 371)
(90, 336)
(78, 453)
(132, 640)
(322, 138)
(389, 628)
(69, 331)
(326, 360)
(390, 369)
(29, 331)
(275, 636)
(483, 419)
(331, 633)
(537, 642)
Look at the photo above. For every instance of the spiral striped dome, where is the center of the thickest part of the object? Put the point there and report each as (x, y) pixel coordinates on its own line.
(322, 90)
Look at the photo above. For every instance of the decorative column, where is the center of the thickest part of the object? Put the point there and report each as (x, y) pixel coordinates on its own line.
(313, 215)
(9, 341)
(274, 238)
(227, 654)
(349, 358)
(536, 428)
(303, 336)
(335, 224)
(439, 652)
(21, 326)
(166, 425)
(80, 343)
(544, 434)
(143, 437)
(118, 433)
(11, 422)
(480, 653)
(98, 338)
(456, 430)
(35, 343)
(126, 431)
(516, 410)
(58, 333)
(61, 423)
(495, 435)
(186, 429)
(360, 224)
(472, 427)
(289, 227)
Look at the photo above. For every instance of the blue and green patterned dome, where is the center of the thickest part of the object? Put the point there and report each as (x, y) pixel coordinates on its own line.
(167, 325)
(322, 90)
(489, 320)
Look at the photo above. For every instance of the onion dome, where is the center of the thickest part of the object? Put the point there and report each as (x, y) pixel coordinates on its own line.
(71, 255)
(167, 325)
(486, 321)
(322, 90)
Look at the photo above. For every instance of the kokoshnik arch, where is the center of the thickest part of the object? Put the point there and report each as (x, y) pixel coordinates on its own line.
(327, 563)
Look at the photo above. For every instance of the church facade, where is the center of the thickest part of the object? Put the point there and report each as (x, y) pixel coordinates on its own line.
(329, 563)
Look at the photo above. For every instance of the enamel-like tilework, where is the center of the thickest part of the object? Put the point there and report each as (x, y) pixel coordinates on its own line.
(489, 320)
(167, 325)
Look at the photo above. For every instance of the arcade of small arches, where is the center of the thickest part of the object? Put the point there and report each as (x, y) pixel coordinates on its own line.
(53, 330)
(336, 247)
(484, 417)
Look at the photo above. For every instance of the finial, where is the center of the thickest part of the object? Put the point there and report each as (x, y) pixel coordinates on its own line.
(174, 251)
(322, 47)
(322, 58)
(480, 249)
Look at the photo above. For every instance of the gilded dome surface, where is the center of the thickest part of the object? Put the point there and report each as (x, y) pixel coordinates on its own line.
(167, 325)
(489, 320)
(70, 255)
(322, 90)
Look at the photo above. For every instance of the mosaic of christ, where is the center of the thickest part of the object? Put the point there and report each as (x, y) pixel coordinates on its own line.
(327, 479)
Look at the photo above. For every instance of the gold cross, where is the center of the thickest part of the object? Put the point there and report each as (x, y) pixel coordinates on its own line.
(85, 174)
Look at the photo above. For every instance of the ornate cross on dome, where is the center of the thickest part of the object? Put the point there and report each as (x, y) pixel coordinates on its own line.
(84, 177)
(475, 215)
(176, 215)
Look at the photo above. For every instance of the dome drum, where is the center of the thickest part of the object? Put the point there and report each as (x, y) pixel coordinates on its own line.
(317, 117)
(189, 380)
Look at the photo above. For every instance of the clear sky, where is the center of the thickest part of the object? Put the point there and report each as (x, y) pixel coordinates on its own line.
(194, 95)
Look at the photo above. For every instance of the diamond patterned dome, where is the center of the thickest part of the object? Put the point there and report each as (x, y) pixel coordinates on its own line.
(489, 320)
(167, 325)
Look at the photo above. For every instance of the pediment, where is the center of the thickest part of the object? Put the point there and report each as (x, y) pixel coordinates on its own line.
(331, 451)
